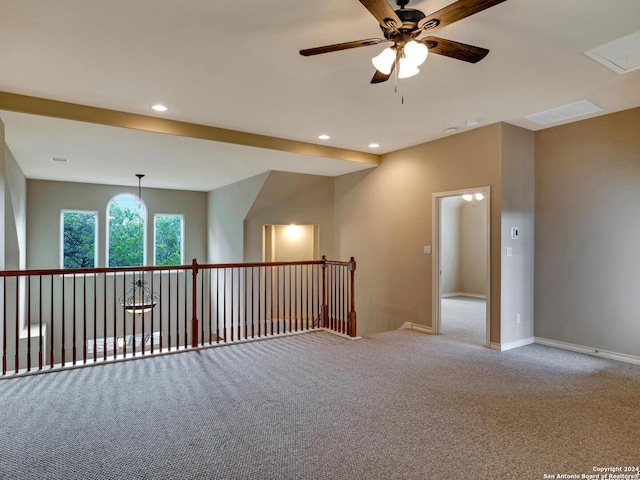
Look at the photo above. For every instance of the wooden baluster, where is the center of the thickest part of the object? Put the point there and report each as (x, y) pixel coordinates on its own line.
(74, 318)
(63, 332)
(52, 328)
(84, 318)
(40, 341)
(194, 304)
(224, 303)
(28, 322)
(4, 326)
(160, 304)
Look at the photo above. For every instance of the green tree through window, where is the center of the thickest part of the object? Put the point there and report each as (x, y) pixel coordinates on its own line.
(126, 231)
(168, 239)
(79, 239)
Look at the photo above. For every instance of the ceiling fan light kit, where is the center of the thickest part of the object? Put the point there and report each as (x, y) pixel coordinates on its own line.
(385, 60)
(407, 68)
(403, 27)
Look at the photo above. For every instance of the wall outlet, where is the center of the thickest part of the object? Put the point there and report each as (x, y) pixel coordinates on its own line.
(427, 249)
(518, 318)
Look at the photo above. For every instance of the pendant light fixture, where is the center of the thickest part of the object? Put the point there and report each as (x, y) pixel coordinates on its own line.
(139, 299)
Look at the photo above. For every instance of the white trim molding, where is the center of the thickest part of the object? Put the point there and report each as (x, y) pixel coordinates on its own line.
(621, 357)
(417, 327)
(463, 294)
(502, 347)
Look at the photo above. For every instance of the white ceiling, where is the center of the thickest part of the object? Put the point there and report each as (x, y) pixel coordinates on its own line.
(235, 65)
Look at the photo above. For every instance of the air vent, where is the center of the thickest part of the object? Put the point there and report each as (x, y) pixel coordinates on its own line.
(59, 160)
(621, 56)
(566, 112)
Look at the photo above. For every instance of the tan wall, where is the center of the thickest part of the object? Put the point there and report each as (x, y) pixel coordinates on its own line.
(46, 200)
(287, 198)
(587, 253)
(3, 190)
(450, 281)
(473, 248)
(384, 218)
(518, 210)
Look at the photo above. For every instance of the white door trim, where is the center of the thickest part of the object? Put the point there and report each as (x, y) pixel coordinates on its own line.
(435, 300)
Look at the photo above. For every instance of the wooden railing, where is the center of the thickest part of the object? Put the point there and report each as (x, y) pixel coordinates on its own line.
(69, 317)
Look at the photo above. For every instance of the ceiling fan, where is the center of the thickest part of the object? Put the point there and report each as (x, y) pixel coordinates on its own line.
(403, 27)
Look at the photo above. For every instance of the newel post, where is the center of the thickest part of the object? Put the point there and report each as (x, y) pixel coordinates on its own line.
(352, 328)
(325, 308)
(194, 306)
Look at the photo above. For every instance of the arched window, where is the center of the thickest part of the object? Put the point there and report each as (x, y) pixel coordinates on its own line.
(126, 234)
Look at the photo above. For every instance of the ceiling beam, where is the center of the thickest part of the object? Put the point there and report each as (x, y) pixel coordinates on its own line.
(82, 113)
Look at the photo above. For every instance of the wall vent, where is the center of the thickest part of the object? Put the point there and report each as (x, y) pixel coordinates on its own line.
(565, 112)
(621, 56)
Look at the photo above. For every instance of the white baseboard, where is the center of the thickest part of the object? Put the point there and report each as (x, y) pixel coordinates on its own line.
(502, 347)
(417, 328)
(463, 294)
(621, 357)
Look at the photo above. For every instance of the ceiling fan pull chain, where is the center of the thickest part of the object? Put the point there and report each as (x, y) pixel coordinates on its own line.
(395, 77)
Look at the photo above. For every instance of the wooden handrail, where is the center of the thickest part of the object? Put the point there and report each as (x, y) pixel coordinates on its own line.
(79, 316)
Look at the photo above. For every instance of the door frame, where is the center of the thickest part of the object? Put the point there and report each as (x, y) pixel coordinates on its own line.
(436, 269)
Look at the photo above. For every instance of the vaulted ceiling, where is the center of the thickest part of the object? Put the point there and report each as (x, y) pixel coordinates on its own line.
(236, 66)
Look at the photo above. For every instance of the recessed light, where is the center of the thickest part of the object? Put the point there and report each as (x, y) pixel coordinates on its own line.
(473, 122)
(159, 108)
(374, 145)
(324, 137)
(451, 130)
(59, 160)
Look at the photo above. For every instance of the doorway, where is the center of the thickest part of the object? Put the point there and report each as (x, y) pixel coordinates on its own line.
(461, 264)
(290, 243)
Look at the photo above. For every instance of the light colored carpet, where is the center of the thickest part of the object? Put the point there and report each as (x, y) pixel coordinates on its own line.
(397, 405)
(464, 319)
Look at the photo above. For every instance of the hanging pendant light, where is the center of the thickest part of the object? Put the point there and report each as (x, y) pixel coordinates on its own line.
(139, 299)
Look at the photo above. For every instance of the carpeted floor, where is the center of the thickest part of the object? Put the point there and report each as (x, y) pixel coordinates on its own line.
(397, 405)
(464, 319)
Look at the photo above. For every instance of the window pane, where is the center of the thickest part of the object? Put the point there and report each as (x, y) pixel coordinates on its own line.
(126, 231)
(168, 239)
(79, 239)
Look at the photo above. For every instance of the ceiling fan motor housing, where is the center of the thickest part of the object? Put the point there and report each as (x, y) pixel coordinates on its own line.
(410, 18)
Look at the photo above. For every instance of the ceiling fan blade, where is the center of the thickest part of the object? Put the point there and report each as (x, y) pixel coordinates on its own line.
(457, 50)
(383, 13)
(454, 12)
(380, 77)
(341, 46)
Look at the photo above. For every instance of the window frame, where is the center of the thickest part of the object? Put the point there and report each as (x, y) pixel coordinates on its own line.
(96, 215)
(182, 222)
